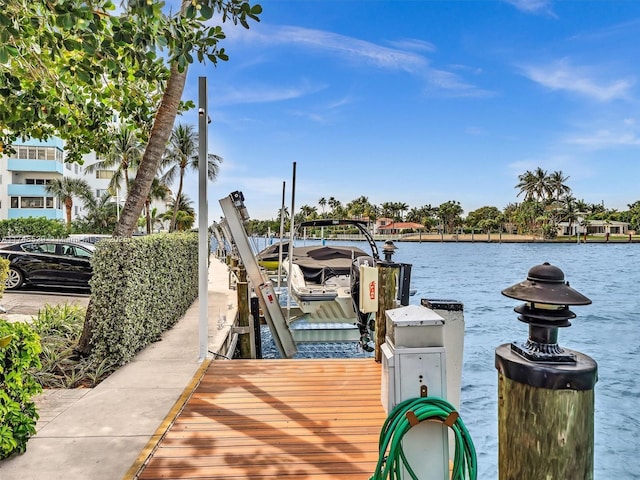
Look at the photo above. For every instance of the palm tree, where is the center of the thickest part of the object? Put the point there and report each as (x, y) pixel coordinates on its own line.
(323, 203)
(101, 216)
(526, 185)
(125, 153)
(556, 185)
(65, 189)
(159, 191)
(335, 206)
(182, 153)
(181, 209)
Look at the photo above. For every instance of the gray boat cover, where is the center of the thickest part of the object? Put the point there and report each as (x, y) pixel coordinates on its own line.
(321, 262)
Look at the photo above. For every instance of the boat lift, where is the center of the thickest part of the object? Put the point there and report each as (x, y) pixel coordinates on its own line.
(236, 214)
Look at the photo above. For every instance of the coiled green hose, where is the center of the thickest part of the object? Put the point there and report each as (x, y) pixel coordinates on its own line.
(398, 423)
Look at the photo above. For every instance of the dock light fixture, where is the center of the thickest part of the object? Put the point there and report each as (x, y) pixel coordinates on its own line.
(388, 249)
(545, 391)
(547, 298)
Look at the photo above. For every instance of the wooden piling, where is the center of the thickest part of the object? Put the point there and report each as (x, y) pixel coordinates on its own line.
(544, 433)
(242, 288)
(387, 274)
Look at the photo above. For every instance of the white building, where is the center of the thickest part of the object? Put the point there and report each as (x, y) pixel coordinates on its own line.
(593, 227)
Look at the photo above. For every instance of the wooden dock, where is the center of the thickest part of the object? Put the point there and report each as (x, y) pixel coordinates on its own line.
(268, 419)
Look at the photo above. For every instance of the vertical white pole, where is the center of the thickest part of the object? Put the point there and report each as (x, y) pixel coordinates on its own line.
(203, 220)
(281, 237)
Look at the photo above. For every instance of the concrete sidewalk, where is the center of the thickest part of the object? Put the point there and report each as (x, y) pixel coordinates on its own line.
(99, 433)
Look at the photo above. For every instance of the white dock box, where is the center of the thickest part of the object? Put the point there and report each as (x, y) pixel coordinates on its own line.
(414, 326)
(413, 357)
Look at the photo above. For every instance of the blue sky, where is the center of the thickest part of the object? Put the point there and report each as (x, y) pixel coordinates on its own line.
(425, 101)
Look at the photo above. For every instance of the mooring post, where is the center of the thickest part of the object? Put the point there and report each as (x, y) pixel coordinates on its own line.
(545, 392)
(386, 294)
(243, 313)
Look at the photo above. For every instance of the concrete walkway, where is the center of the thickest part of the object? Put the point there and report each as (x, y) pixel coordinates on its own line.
(99, 433)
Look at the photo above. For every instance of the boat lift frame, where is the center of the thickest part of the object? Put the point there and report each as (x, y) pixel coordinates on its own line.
(235, 214)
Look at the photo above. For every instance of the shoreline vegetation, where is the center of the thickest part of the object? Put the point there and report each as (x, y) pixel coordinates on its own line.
(483, 238)
(513, 238)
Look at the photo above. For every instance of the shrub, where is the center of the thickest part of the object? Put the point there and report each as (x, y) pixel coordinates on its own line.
(4, 272)
(140, 287)
(33, 226)
(19, 349)
(59, 327)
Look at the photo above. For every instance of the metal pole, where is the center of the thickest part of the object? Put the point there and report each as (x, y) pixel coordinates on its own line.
(203, 220)
(281, 237)
(291, 239)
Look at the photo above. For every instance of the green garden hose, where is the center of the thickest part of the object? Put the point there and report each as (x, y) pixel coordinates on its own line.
(407, 414)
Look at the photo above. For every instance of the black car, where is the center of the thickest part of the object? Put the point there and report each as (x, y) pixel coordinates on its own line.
(42, 262)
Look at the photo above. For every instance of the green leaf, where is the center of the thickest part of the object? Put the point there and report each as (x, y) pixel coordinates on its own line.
(206, 12)
(4, 341)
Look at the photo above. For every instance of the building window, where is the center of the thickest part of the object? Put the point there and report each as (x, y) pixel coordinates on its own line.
(104, 174)
(37, 181)
(31, 202)
(37, 153)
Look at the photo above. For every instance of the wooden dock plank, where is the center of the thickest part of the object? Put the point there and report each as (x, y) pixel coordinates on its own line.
(265, 419)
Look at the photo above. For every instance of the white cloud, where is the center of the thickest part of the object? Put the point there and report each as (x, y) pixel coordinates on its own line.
(413, 44)
(403, 58)
(533, 6)
(561, 75)
(605, 139)
(265, 94)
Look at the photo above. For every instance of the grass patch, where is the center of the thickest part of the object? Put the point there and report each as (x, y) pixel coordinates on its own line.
(60, 327)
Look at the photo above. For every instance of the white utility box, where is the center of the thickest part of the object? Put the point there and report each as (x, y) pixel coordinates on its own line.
(413, 357)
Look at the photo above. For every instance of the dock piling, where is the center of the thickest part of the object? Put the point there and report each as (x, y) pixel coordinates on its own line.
(545, 392)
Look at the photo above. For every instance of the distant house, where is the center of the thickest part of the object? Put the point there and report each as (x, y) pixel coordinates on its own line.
(399, 227)
(380, 223)
(593, 227)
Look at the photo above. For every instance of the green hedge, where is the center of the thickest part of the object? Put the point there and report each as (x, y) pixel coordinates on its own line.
(33, 226)
(19, 350)
(141, 286)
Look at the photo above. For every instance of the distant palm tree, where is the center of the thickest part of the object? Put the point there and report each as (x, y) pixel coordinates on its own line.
(65, 189)
(556, 185)
(323, 203)
(125, 152)
(182, 153)
(159, 191)
(182, 210)
(102, 215)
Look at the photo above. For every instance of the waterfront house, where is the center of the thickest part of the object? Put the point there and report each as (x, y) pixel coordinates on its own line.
(593, 227)
(400, 227)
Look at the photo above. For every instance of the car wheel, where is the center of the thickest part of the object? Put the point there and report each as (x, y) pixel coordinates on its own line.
(15, 279)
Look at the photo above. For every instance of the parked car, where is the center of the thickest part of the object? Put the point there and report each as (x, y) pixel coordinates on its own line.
(43, 262)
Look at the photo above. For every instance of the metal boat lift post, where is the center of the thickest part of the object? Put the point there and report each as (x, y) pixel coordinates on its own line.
(235, 213)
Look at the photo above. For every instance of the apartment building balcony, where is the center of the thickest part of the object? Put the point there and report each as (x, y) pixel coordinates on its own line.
(44, 166)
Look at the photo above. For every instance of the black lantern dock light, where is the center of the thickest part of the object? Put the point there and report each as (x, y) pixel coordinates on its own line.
(545, 391)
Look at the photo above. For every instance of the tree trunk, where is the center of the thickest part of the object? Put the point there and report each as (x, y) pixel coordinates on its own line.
(172, 226)
(160, 133)
(68, 204)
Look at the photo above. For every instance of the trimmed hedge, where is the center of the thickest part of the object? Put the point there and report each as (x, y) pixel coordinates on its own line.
(41, 227)
(141, 286)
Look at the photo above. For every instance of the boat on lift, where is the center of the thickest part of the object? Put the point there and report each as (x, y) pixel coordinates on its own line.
(323, 279)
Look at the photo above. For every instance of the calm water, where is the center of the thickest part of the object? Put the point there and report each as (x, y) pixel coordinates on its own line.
(607, 331)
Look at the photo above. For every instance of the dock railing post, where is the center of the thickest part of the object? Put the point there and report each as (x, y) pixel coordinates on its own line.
(545, 392)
